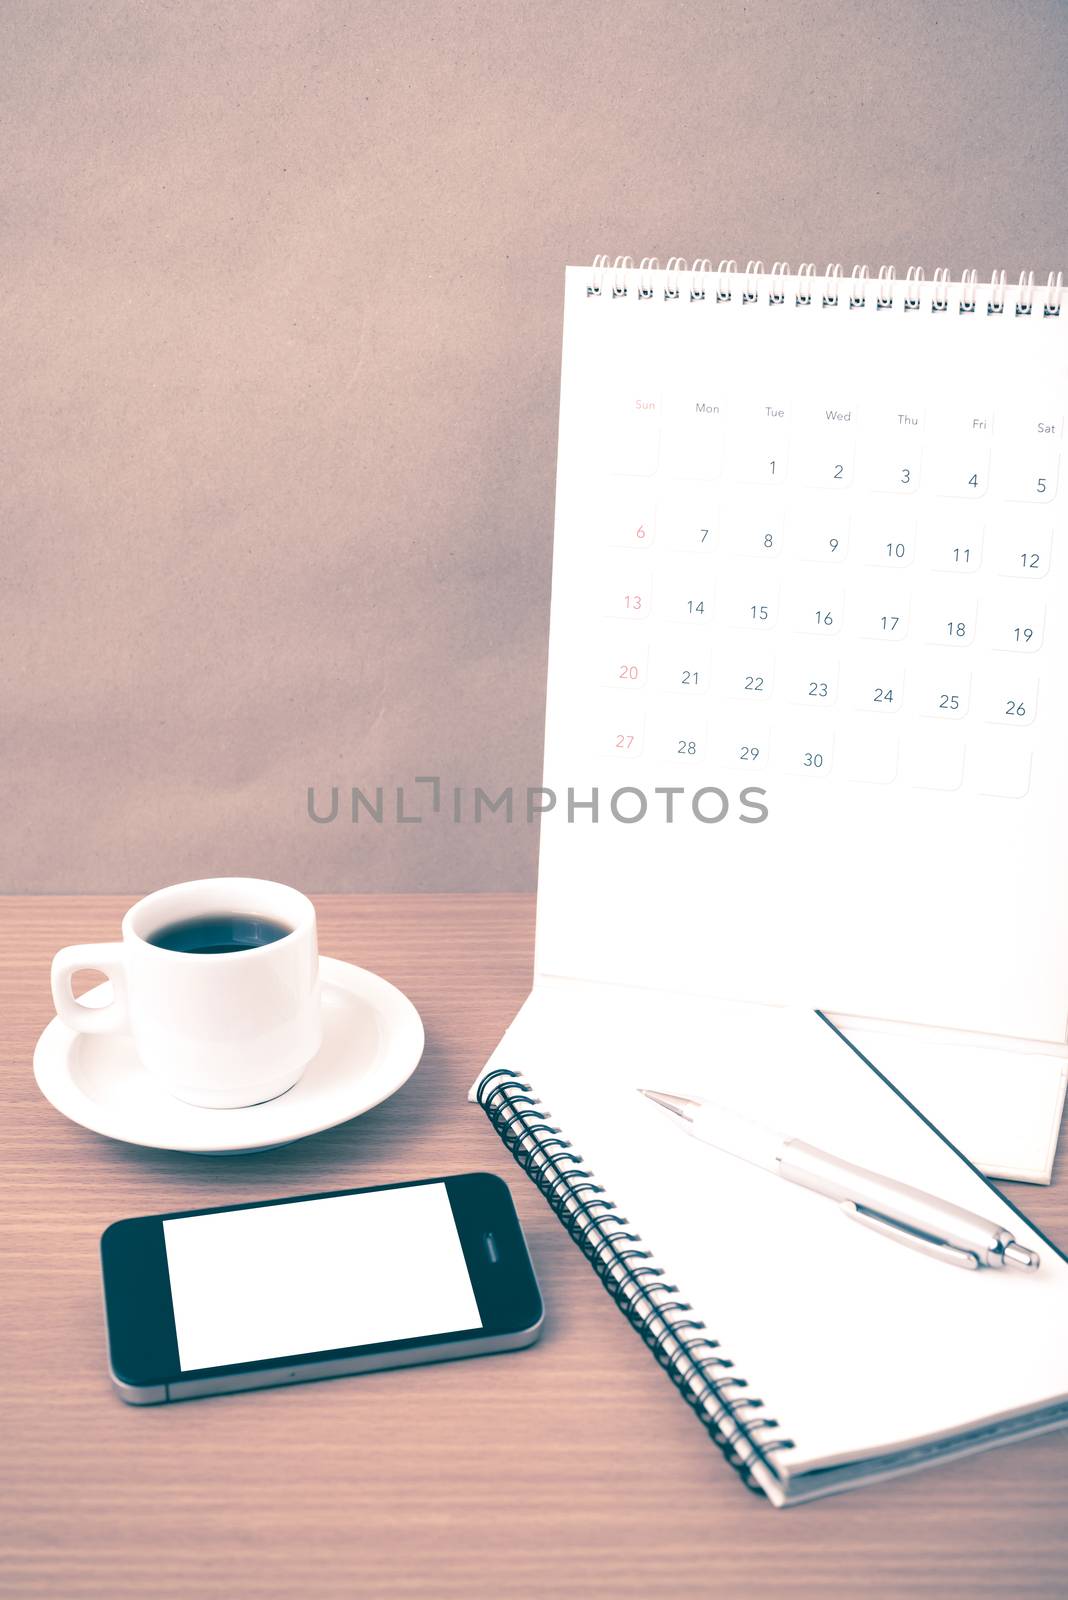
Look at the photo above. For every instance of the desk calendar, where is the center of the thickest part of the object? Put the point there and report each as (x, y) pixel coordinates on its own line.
(809, 646)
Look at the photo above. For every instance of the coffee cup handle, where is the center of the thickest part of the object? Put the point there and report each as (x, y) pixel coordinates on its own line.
(106, 958)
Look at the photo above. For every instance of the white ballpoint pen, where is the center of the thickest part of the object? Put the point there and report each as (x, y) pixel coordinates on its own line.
(910, 1216)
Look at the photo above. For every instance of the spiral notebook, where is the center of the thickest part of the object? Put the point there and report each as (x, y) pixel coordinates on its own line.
(808, 667)
(819, 1355)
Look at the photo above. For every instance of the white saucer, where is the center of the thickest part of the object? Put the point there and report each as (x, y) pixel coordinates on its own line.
(372, 1042)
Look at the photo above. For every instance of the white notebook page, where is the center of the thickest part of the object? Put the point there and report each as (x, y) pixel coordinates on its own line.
(1001, 1105)
(857, 1345)
(754, 499)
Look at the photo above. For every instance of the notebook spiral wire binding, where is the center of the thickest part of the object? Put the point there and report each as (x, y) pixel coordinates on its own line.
(704, 1376)
(619, 279)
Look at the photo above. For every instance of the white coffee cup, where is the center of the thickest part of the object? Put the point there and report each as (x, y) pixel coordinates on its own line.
(214, 1030)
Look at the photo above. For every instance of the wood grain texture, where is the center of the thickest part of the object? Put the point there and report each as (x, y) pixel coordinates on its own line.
(569, 1469)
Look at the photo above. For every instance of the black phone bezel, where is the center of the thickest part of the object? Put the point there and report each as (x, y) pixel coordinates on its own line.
(142, 1341)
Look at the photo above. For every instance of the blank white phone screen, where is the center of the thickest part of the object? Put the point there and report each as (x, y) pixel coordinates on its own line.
(285, 1280)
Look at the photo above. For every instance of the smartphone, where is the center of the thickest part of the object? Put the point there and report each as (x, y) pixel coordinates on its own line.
(283, 1291)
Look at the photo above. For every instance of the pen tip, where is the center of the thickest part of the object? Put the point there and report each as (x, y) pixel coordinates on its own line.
(1018, 1255)
(677, 1104)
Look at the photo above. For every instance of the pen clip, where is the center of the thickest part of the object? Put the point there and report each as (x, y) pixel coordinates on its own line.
(891, 1228)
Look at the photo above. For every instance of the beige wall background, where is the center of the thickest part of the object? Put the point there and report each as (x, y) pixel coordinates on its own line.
(280, 355)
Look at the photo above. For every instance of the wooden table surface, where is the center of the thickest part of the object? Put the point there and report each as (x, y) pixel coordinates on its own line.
(571, 1469)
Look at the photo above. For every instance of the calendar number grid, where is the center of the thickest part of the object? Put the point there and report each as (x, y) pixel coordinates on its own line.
(824, 593)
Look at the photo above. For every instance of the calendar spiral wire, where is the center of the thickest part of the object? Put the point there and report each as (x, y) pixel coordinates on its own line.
(617, 278)
(680, 1342)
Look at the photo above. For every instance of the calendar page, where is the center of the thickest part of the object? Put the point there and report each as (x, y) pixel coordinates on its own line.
(807, 708)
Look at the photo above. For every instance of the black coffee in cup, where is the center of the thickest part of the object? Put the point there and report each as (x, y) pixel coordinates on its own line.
(222, 933)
